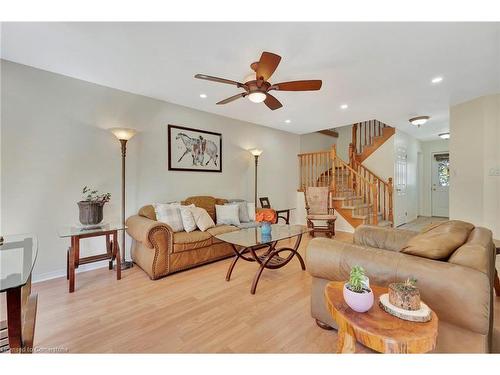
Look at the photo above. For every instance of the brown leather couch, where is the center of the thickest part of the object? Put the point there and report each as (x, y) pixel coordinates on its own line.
(459, 288)
(159, 251)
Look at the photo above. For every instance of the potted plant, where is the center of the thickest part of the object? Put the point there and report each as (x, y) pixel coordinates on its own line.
(405, 295)
(357, 293)
(91, 206)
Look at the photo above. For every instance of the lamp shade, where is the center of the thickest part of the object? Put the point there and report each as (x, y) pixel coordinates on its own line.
(255, 151)
(123, 134)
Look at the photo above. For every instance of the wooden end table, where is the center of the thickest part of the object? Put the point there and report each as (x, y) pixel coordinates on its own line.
(73, 259)
(377, 329)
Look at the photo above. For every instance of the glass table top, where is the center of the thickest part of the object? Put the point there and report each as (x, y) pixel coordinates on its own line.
(78, 230)
(253, 236)
(17, 258)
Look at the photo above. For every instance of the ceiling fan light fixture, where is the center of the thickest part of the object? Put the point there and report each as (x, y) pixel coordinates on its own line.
(257, 97)
(418, 121)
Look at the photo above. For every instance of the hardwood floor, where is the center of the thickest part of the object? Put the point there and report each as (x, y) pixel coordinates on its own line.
(195, 311)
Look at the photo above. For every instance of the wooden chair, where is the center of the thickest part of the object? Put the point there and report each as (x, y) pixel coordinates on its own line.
(318, 209)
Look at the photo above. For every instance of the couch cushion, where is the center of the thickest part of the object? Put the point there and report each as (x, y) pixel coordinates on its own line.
(221, 229)
(148, 211)
(193, 240)
(440, 240)
(476, 252)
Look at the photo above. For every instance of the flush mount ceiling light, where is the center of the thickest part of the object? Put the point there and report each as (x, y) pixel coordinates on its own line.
(203, 96)
(445, 135)
(288, 121)
(437, 80)
(344, 106)
(419, 121)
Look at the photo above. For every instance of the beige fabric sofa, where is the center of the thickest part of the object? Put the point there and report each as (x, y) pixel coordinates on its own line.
(159, 251)
(459, 289)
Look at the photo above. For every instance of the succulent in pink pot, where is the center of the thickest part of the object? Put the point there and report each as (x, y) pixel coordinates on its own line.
(357, 293)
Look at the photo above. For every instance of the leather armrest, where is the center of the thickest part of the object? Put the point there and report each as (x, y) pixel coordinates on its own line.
(459, 295)
(140, 228)
(382, 238)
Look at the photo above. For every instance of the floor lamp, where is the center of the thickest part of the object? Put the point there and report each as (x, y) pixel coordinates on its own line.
(256, 153)
(123, 135)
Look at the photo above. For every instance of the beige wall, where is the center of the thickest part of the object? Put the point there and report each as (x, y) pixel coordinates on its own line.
(54, 141)
(316, 142)
(475, 161)
(343, 141)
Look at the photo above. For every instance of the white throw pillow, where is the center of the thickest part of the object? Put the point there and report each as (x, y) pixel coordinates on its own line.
(227, 214)
(251, 211)
(169, 215)
(188, 221)
(202, 218)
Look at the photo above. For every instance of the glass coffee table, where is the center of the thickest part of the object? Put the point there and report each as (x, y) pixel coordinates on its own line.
(246, 242)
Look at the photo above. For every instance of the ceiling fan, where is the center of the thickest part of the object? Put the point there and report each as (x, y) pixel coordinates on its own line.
(257, 89)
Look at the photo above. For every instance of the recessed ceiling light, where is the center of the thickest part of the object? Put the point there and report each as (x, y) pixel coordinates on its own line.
(203, 96)
(418, 121)
(344, 106)
(288, 121)
(437, 79)
(445, 135)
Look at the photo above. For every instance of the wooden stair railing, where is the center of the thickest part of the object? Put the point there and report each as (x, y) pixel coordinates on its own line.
(384, 190)
(325, 168)
(367, 136)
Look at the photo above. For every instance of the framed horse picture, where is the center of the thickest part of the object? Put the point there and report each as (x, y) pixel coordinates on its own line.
(194, 150)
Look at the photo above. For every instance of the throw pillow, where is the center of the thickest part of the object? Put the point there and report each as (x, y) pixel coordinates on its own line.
(242, 210)
(169, 215)
(202, 218)
(251, 211)
(439, 241)
(227, 214)
(188, 221)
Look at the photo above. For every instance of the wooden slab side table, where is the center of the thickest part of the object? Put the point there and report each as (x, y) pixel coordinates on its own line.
(73, 259)
(377, 329)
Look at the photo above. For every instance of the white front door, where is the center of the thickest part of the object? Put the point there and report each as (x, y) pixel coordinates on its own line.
(400, 182)
(440, 184)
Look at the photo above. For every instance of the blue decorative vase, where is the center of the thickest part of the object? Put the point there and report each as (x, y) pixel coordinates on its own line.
(265, 228)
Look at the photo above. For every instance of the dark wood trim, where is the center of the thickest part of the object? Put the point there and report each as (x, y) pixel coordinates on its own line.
(330, 133)
(169, 154)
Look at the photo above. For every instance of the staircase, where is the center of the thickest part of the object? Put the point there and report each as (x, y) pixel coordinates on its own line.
(367, 136)
(358, 194)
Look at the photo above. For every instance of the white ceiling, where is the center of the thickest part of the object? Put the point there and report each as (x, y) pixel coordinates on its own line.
(381, 70)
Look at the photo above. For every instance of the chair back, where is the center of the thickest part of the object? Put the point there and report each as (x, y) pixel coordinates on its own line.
(264, 202)
(317, 199)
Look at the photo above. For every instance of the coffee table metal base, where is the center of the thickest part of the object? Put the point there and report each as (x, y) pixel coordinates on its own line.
(270, 259)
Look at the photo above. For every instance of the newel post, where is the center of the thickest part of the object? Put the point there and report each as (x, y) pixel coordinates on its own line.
(390, 189)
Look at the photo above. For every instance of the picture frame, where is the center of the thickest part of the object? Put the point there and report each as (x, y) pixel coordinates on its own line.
(194, 150)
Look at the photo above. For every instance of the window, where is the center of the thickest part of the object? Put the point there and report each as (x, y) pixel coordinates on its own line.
(444, 172)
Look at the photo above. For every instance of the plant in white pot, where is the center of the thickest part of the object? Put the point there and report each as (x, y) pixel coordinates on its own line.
(91, 206)
(357, 293)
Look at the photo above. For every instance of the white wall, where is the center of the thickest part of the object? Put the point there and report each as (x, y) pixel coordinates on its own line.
(381, 161)
(428, 149)
(54, 141)
(343, 141)
(475, 162)
(312, 142)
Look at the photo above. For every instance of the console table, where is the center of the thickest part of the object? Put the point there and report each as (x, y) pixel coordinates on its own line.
(73, 259)
(17, 258)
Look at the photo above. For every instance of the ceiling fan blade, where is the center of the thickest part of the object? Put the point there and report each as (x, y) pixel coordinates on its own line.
(219, 80)
(308, 85)
(267, 65)
(272, 102)
(232, 98)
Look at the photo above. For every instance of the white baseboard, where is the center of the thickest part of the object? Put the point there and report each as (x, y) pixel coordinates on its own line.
(37, 278)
